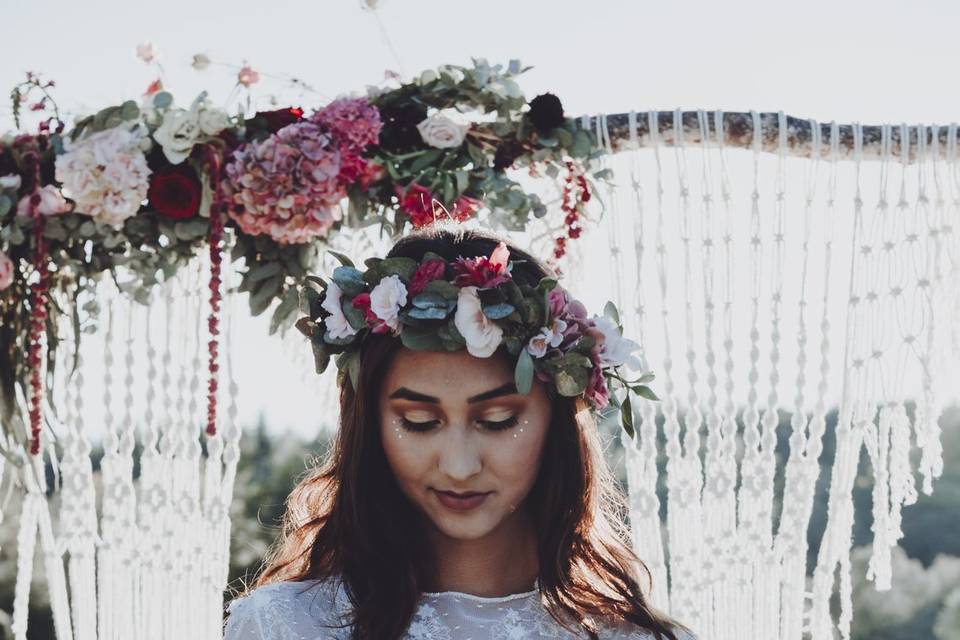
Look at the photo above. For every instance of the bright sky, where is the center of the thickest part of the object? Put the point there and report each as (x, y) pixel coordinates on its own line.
(870, 61)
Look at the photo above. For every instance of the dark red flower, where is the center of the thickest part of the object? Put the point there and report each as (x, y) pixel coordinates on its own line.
(464, 207)
(277, 119)
(417, 202)
(427, 272)
(546, 113)
(175, 192)
(354, 168)
(482, 271)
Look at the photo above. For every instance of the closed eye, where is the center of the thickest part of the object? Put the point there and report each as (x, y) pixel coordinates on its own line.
(493, 425)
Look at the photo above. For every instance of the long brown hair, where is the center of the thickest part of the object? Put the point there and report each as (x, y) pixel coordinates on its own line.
(348, 519)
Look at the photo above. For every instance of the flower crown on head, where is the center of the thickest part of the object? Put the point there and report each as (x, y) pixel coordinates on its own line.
(442, 305)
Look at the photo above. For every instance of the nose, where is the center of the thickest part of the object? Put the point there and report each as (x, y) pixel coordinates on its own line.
(460, 456)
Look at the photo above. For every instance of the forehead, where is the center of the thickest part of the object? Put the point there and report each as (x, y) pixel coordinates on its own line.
(451, 375)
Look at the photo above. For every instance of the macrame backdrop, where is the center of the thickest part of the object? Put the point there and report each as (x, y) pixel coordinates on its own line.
(766, 264)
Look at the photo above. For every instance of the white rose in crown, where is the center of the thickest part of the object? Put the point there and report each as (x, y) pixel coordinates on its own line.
(213, 121)
(615, 350)
(481, 333)
(178, 133)
(442, 132)
(386, 300)
(336, 323)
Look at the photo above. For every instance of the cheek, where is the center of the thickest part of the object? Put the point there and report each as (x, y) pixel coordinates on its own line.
(517, 460)
(407, 460)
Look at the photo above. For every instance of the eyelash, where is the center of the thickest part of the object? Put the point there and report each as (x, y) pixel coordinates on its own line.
(499, 425)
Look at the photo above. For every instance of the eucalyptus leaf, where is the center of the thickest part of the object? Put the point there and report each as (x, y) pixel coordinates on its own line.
(571, 381)
(321, 357)
(523, 374)
(498, 311)
(403, 267)
(162, 100)
(350, 280)
(421, 339)
(355, 317)
(257, 272)
(626, 416)
(646, 392)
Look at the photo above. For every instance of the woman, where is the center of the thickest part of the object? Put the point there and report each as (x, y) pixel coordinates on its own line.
(454, 502)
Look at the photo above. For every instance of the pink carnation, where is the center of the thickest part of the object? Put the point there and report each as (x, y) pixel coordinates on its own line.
(287, 186)
(355, 123)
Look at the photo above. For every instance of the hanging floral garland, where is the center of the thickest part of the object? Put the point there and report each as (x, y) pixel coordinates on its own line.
(137, 190)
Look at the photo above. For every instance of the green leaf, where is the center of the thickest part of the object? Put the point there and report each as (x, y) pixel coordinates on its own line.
(571, 381)
(350, 280)
(403, 267)
(421, 339)
(162, 100)
(610, 310)
(349, 361)
(646, 392)
(447, 290)
(355, 316)
(429, 158)
(463, 180)
(288, 304)
(430, 313)
(626, 416)
(263, 294)
(310, 299)
(344, 260)
(258, 272)
(5, 205)
(129, 110)
(321, 357)
(191, 229)
(523, 374)
(498, 311)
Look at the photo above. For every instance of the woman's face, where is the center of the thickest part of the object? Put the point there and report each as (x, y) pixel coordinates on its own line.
(452, 422)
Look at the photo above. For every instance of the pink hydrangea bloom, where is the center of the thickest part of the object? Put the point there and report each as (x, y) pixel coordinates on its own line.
(287, 185)
(354, 122)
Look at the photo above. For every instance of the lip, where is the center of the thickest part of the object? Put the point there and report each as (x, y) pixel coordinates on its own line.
(461, 501)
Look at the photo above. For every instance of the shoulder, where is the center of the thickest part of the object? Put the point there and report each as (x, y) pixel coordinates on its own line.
(628, 631)
(285, 609)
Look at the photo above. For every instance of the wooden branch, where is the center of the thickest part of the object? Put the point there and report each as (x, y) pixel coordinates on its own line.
(738, 132)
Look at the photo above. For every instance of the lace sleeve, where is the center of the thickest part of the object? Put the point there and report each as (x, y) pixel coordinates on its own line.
(245, 621)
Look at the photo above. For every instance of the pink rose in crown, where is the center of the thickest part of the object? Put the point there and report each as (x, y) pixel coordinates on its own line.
(484, 272)
(47, 201)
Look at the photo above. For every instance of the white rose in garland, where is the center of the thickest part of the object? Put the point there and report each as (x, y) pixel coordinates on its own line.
(178, 133)
(182, 129)
(481, 333)
(442, 132)
(336, 323)
(386, 299)
(213, 121)
(106, 174)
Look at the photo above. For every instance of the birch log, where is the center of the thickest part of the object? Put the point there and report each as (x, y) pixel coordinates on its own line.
(738, 132)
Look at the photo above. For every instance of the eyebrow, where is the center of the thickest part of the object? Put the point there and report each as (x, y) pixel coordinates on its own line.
(505, 389)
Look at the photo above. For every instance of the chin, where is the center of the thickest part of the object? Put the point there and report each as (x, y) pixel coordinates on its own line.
(464, 530)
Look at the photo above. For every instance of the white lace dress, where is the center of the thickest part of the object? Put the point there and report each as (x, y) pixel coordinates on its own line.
(301, 610)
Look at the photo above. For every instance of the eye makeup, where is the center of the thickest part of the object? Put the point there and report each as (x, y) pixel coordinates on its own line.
(490, 425)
